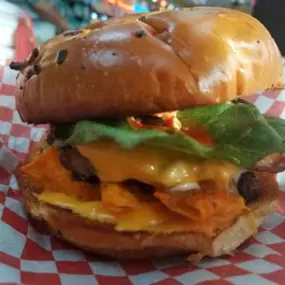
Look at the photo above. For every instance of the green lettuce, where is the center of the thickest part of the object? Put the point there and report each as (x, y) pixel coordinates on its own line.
(242, 134)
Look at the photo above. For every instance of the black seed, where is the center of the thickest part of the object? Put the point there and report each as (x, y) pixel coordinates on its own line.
(72, 33)
(83, 67)
(114, 53)
(248, 187)
(15, 65)
(142, 19)
(35, 52)
(140, 34)
(61, 56)
(34, 55)
(37, 68)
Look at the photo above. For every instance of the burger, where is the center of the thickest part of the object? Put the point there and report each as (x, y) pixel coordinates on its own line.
(150, 151)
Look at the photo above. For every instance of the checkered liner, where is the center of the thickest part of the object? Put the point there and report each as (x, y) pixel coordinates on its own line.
(31, 257)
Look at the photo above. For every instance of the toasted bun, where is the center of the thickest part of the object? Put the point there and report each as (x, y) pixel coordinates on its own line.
(104, 240)
(147, 64)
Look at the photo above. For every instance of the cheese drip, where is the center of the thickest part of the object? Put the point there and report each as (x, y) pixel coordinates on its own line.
(129, 210)
(150, 217)
(155, 165)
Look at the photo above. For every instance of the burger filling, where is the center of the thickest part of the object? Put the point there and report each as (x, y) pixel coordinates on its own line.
(183, 171)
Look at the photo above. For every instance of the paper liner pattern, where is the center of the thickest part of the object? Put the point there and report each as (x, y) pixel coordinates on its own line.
(34, 258)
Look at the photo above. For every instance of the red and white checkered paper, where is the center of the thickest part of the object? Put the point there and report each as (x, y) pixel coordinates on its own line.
(30, 257)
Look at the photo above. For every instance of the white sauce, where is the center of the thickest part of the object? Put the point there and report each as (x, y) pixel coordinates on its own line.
(184, 187)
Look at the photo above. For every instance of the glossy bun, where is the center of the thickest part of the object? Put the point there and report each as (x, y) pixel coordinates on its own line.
(144, 64)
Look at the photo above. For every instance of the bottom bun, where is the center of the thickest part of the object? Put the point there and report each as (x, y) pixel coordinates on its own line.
(102, 239)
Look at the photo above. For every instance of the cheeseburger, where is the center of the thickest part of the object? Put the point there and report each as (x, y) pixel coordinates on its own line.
(150, 151)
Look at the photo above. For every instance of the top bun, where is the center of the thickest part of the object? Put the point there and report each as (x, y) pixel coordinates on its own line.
(150, 63)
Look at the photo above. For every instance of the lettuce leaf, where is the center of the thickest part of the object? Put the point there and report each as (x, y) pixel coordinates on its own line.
(276, 123)
(242, 134)
(120, 132)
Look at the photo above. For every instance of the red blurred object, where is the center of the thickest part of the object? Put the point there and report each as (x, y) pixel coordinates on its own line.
(24, 38)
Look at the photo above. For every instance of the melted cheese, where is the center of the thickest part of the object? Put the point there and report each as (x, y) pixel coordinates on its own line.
(154, 165)
(128, 209)
(150, 217)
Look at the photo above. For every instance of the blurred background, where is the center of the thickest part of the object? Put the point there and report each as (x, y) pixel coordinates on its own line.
(50, 17)
(38, 20)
